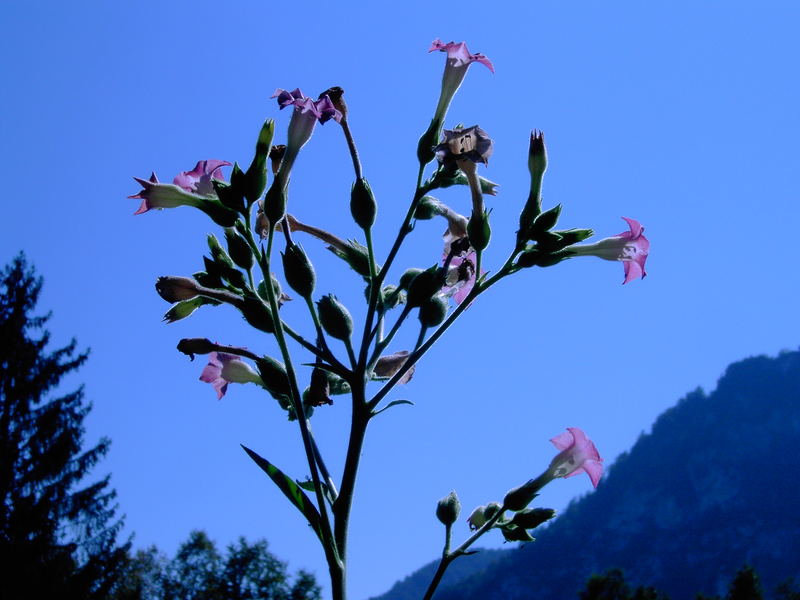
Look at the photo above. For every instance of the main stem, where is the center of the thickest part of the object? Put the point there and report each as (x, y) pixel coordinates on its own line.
(344, 502)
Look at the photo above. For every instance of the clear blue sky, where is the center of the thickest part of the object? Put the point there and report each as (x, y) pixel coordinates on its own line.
(682, 115)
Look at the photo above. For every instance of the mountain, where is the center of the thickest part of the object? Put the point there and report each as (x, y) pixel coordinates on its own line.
(714, 485)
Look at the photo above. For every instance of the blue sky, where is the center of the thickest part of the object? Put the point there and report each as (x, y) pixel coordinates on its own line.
(682, 115)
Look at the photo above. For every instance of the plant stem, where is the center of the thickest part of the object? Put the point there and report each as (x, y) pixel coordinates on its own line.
(378, 281)
(448, 557)
(335, 564)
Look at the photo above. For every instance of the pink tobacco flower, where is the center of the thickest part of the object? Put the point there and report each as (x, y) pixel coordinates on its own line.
(461, 277)
(630, 247)
(307, 112)
(459, 58)
(223, 369)
(459, 55)
(577, 455)
(187, 189)
(162, 195)
(198, 180)
(471, 143)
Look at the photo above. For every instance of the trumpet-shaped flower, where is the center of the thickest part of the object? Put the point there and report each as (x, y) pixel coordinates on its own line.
(223, 369)
(307, 112)
(459, 58)
(630, 247)
(189, 188)
(198, 180)
(471, 143)
(577, 455)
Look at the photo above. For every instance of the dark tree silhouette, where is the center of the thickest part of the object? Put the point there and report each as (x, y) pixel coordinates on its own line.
(58, 535)
(611, 585)
(745, 586)
(199, 572)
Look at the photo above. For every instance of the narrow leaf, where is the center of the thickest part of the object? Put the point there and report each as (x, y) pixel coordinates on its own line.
(290, 489)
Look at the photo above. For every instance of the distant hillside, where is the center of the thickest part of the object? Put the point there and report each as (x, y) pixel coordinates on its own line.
(714, 485)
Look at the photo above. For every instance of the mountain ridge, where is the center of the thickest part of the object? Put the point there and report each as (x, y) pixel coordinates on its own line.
(709, 488)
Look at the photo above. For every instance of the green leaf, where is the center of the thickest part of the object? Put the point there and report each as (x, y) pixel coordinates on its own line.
(391, 404)
(290, 489)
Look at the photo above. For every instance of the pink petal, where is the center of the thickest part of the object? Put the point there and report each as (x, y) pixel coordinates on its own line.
(594, 469)
(636, 227)
(563, 440)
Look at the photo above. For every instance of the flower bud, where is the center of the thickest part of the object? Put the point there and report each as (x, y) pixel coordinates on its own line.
(530, 518)
(545, 221)
(448, 508)
(192, 346)
(335, 319)
(298, 270)
(362, 204)
(275, 202)
(175, 289)
(512, 533)
(481, 515)
(238, 248)
(219, 255)
(479, 231)
(184, 308)
(433, 311)
(537, 165)
(255, 179)
(424, 286)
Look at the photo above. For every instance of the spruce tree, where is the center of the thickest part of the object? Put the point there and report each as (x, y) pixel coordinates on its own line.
(58, 534)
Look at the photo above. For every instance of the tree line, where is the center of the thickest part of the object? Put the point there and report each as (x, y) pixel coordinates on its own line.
(60, 536)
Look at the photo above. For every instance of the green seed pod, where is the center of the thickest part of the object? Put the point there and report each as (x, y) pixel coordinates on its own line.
(427, 208)
(433, 311)
(299, 271)
(275, 202)
(276, 381)
(479, 231)
(335, 319)
(238, 248)
(257, 314)
(424, 286)
(407, 277)
(362, 204)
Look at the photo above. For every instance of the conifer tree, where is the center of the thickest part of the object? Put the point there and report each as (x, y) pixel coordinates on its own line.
(745, 586)
(58, 534)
